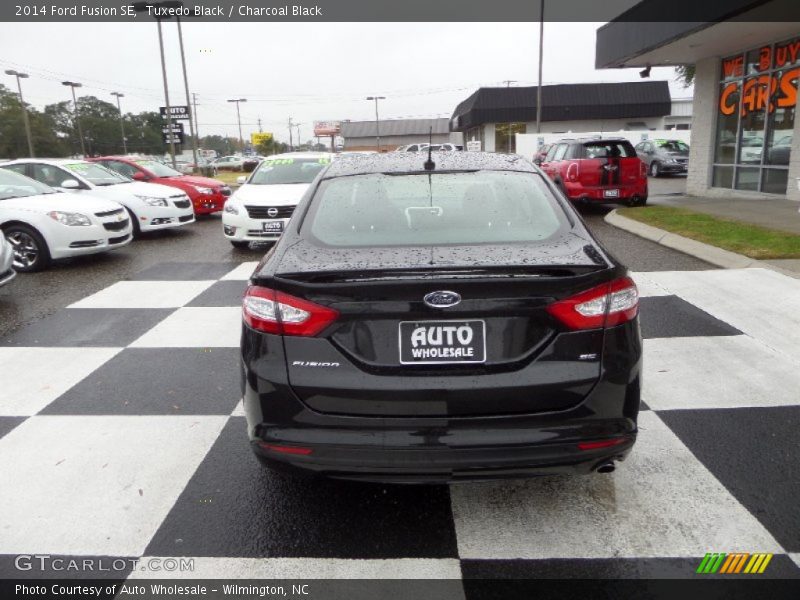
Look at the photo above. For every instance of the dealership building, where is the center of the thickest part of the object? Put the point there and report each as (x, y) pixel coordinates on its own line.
(494, 115)
(363, 135)
(745, 134)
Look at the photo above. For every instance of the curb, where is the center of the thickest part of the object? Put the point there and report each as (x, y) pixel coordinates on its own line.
(710, 254)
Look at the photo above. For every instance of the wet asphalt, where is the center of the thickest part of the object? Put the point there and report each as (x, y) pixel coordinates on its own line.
(32, 296)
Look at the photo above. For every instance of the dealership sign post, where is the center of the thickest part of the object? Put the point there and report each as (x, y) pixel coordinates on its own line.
(328, 129)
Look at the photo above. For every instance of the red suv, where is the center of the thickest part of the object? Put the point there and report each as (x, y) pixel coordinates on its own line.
(597, 170)
(207, 195)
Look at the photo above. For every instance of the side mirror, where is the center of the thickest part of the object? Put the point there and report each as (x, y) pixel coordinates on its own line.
(241, 180)
(70, 184)
(139, 176)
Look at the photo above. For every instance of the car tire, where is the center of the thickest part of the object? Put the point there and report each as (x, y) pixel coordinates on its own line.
(30, 241)
(637, 201)
(240, 245)
(136, 229)
(655, 169)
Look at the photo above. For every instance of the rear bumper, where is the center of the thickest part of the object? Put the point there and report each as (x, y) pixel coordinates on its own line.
(208, 204)
(442, 449)
(579, 192)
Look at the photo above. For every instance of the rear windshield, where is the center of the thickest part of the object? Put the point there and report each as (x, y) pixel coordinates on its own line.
(435, 209)
(274, 171)
(609, 150)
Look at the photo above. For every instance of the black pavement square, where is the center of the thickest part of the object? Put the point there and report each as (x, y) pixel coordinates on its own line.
(234, 507)
(222, 293)
(670, 316)
(755, 454)
(84, 327)
(185, 271)
(8, 423)
(157, 381)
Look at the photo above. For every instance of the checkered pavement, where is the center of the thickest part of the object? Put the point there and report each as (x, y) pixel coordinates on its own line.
(121, 435)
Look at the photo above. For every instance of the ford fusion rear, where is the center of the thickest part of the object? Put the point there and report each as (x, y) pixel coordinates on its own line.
(439, 319)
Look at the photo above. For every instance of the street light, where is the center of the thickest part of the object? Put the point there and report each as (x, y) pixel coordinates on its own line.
(121, 121)
(186, 88)
(142, 7)
(19, 76)
(74, 85)
(239, 120)
(377, 120)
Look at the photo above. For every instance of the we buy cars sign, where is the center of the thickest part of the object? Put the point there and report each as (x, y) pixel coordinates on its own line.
(176, 112)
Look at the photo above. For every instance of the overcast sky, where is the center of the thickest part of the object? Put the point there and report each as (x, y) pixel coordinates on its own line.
(306, 71)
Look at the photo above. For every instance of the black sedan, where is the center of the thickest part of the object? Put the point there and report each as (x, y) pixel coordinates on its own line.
(433, 319)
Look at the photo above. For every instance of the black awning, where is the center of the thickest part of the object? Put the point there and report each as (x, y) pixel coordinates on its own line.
(566, 102)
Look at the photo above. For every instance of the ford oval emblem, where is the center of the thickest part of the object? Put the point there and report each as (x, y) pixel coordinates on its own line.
(442, 299)
(272, 212)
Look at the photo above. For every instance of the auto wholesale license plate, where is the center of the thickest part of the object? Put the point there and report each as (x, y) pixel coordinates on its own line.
(610, 193)
(273, 227)
(442, 342)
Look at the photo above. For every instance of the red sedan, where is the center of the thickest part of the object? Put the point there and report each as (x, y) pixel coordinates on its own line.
(207, 195)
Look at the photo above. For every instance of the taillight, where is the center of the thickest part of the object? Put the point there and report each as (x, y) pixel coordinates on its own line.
(642, 169)
(602, 444)
(275, 312)
(602, 306)
(295, 450)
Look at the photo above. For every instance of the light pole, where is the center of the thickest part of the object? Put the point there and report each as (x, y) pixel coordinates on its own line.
(121, 121)
(291, 126)
(186, 87)
(142, 7)
(539, 87)
(74, 85)
(377, 120)
(239, 120)
(19, 76)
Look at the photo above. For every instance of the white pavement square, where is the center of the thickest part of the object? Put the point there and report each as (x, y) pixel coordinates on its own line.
(661, 502)
(312, 568)
(647, 287)
(145, 294)
(759, 302)
(717, 372)
(196, 327)
(241, 273)
(96, 485)
(31, 378)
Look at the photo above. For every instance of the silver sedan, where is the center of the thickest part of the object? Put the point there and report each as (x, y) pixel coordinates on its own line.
(7, 273)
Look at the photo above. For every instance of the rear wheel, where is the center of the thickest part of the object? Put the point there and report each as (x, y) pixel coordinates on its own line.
(637, 201)
(655, 169)
(241, 245)
(30, 250)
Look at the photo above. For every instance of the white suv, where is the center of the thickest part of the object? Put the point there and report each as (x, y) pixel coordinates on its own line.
(262, 206)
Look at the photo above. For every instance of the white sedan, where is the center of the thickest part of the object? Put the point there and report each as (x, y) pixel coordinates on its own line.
(260, 209)
(43, 224)
(151, 205)
(7, 272)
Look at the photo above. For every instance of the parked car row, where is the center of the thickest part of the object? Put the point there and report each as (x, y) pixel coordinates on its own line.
(58, 208)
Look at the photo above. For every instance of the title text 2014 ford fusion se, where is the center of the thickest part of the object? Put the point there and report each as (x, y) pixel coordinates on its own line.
(439, 319)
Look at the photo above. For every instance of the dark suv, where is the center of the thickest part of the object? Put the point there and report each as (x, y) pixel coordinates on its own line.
(597, 170)
(432, 321)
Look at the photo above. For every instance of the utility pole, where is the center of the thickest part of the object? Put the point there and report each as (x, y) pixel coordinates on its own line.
(121, 121)
(74, 85)
(297, 126)
(25, 120)
(539, 88)
(259, 125)
(291, 145)
(239, 120)
(186, 87)
(377, 119)
(508, 82)
(194, 116)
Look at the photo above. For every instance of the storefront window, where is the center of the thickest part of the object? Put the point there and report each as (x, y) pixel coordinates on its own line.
(755, 118)
(505, 139)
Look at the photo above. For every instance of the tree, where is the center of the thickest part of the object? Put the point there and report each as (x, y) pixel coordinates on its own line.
(685, 74)
(223, 145)
(13, 140)
(271, 146)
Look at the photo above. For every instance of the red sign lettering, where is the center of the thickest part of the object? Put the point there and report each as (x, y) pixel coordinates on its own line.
(764, 58)
(787, 54)
(733, 67)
